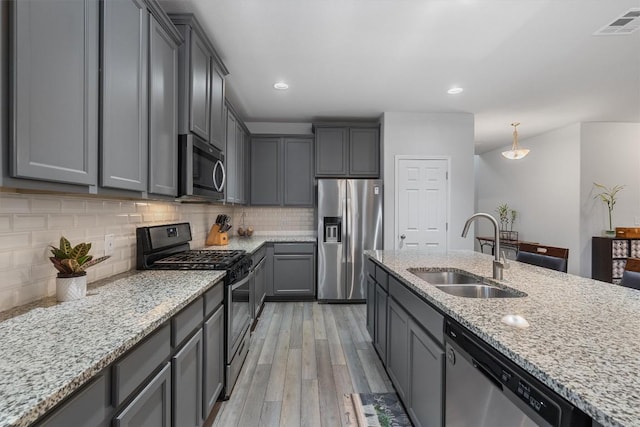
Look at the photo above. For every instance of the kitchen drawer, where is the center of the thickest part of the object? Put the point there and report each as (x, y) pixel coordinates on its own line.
(293, 248)
(382, 277)
(213, 298)
(426, 315)
(185, 322)
(371, 267)
(88, 407)
(139, 363)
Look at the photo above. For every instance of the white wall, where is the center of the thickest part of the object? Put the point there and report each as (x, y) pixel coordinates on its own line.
(431, 134)
(544, 188)
(610, 156)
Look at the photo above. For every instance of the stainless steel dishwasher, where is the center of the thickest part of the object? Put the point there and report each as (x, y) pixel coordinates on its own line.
(485, 389)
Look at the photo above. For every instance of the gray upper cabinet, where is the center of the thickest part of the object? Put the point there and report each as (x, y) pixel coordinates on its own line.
(298, 163)
(331, 151)
(199, 87)
(218, 114)
(347, 151)
(282, 171)
(163, 110)
(201, 83)
(236, 153)
(54, 95)
(231, 158)
(364, 152)
(124, 147)
(265, 171)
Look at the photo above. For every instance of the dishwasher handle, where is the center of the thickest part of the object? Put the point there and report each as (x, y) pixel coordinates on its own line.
(486, 372)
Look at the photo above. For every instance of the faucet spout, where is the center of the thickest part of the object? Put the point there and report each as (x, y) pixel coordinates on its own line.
(498, 266)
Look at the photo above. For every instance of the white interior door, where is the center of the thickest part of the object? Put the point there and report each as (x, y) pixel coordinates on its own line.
(422, 203)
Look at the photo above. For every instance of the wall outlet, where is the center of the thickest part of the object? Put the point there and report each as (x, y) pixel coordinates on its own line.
(109, 244)
(637, 220)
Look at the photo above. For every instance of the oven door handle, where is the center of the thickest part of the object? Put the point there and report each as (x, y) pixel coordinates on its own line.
(257, 267)
(242, 282)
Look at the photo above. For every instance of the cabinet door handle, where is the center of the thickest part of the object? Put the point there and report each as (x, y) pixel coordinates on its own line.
(403, 237)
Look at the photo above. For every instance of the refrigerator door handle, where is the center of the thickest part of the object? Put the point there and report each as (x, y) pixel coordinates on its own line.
(349, 247)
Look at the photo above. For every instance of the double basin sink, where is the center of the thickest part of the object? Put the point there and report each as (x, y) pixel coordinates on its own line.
(455, 282)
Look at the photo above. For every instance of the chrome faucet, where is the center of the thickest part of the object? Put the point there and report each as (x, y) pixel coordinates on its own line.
(498, 266)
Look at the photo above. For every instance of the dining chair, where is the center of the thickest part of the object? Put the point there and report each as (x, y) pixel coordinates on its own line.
(631, 274)
(550, 257)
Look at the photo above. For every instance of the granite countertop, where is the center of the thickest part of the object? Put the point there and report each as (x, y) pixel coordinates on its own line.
(251, 244)
(50, 349)
(583, 339)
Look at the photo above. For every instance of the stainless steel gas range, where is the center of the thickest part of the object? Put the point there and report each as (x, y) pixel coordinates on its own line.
(166, 247)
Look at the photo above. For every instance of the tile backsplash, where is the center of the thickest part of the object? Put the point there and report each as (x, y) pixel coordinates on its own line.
(29, 223)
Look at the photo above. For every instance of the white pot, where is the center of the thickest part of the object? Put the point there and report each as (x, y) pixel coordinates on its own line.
(71, 288)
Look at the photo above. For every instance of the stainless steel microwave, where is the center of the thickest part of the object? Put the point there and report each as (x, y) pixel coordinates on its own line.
(202, 174)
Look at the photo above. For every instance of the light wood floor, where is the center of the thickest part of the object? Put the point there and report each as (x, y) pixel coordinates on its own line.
(304, 357)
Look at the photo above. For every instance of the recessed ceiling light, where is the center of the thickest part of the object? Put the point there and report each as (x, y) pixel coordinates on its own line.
(281, 86)
(455, 90)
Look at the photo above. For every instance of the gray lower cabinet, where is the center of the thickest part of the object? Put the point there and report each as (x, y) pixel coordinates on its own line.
(415, 352)
(294, 270)
(54, 91)
(347, 151)
(380, 334)
(398, 347)
(371, 305)
(187, 383)
(152, 406)
(213, 360)
(163, 111)
(172, 378)
(282, 171)
(124, 144)
(426, 378)
(90, 407)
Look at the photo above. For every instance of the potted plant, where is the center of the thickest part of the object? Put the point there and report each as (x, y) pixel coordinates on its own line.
(608, 196)
(71, 263)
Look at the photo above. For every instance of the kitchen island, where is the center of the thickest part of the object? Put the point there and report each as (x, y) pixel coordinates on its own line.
(49, 349)
(582, 341)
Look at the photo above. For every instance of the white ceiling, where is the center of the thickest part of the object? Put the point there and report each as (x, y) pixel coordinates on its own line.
(532, 61)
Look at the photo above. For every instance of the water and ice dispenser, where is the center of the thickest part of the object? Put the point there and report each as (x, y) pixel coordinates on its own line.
(332, 229)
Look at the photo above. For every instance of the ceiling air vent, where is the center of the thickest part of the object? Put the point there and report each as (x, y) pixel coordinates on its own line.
(626, 23)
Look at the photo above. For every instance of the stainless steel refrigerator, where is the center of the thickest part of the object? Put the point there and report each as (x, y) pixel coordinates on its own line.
(349, 222)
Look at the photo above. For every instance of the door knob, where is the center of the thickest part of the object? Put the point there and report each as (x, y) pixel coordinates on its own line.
(403, 237)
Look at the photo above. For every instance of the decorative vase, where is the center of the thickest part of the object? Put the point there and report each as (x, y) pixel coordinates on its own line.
(71, 288)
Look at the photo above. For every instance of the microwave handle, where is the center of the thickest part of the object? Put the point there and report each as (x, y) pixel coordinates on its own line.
(220, 187)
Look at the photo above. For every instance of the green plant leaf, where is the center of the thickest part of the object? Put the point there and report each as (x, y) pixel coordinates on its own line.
(65, 245)
(95, 261)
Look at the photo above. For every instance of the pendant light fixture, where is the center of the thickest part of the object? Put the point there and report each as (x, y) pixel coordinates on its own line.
(516, 152)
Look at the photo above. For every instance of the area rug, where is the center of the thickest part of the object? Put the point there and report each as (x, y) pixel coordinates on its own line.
(375, 410)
